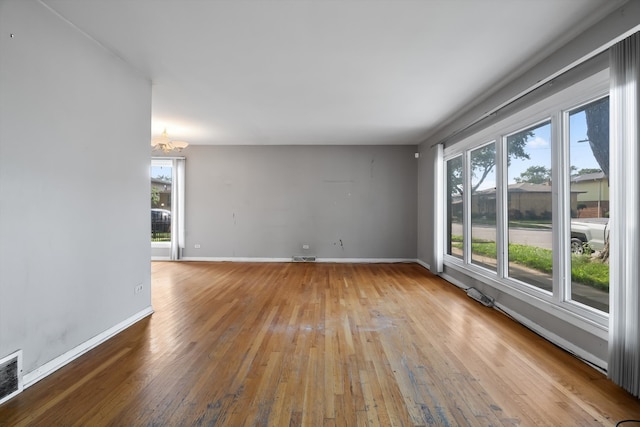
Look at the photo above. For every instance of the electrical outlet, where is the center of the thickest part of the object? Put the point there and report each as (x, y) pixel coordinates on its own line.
(197, 246)
(305, 246)
(138, 289)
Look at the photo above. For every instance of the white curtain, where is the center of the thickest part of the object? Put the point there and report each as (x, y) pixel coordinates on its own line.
(437, 262)
(624, 324)
(177, 203)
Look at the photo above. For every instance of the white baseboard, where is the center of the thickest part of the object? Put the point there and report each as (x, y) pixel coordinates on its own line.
(424, 264)
(160, 258)
(337, 260)
(234, 259)
(66, 358)
(594, 361)
(454, 281)
(366, 260)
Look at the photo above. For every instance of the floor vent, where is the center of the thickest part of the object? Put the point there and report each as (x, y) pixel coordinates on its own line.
(304, 258)
(10, 376)
(480, 297)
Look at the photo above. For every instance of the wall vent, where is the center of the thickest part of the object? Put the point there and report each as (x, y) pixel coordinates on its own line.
(480, 297)
(10, 376)
(304, 258)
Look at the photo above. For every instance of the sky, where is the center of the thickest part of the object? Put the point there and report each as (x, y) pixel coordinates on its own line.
(157, 171)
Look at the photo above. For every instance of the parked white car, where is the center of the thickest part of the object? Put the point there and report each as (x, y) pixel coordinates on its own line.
(588, 233)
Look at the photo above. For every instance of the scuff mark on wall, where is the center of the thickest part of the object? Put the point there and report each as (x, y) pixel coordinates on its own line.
(373, 160)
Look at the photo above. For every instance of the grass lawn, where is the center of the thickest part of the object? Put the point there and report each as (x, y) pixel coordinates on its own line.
(584, 269)
(160, 237)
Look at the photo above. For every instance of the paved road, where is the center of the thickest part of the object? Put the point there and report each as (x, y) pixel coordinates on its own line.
(541, 238)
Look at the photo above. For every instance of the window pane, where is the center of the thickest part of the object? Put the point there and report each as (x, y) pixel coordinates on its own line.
(589, 159)
(529, 206)
(454, 207)
(161, 201)
(483, 206)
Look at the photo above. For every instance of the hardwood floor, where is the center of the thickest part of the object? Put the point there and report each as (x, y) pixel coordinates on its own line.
(234, 344)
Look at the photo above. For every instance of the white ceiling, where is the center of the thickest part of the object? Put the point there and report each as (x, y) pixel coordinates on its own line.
(324, 71)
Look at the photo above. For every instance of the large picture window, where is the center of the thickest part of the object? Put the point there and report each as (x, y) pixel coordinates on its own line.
(535, 213)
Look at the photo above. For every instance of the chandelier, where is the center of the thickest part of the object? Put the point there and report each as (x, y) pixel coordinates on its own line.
(164, 143)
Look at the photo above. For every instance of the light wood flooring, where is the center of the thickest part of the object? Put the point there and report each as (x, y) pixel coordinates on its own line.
(287, 344)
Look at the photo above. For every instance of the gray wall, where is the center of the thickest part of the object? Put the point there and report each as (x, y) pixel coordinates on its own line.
(74, 186)
(267, 201)
(425, 205)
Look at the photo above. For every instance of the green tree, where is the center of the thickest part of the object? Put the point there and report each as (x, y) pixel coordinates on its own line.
(535, 175)
(155, 196)
(484, 160)
(586, 171)
(597, 116)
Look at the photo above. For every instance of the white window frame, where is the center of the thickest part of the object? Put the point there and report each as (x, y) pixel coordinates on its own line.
(503, 185)
(468, 200)
(565, 291)
(168, 162)
(554, 108)
(446, 238)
